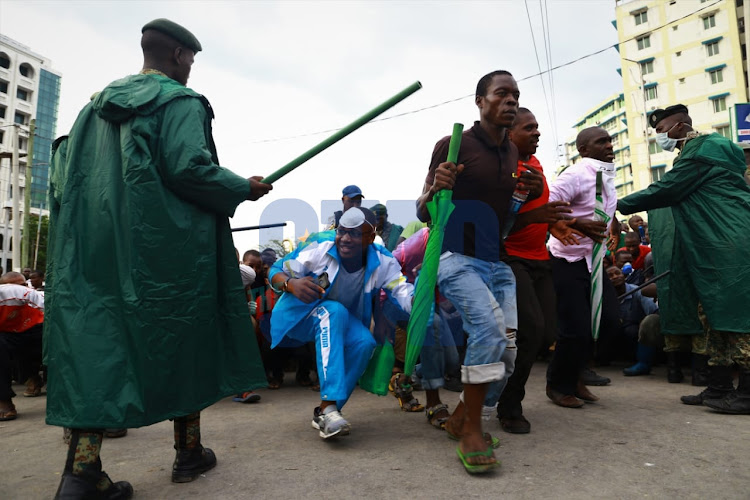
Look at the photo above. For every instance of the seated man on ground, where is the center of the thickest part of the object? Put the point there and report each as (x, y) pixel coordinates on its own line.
(639, 324)
(21, 319)
(331, 281)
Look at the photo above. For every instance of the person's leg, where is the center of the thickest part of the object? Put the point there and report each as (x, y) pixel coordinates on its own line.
(330, 321)
(572, 285)
(739, 402)
(720, 381)
(530, 331)
(83, 476)
(503, 287)
(7, 345)
(461, 280)
(192, 459)
(648, 339)
(672, 347)
(358, 348)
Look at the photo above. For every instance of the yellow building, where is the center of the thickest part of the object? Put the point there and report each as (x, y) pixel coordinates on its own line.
(691, 52)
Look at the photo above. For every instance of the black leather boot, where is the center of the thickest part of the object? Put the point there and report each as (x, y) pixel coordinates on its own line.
(737, 403)
(700, 370)
(189, 464)
(674, 373)
(719, 386)
(77, 488)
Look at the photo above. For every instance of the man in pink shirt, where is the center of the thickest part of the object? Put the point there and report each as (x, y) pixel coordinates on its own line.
(571, 266)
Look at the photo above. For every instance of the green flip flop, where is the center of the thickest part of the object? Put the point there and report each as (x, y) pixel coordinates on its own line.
(477, 468)
(491, 440)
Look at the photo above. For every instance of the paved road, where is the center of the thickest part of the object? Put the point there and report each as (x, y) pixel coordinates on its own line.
(637, 442)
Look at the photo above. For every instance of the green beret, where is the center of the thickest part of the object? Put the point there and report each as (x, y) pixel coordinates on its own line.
(176, 31)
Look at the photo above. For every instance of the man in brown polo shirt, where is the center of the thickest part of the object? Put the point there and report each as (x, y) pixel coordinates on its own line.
(472, 274)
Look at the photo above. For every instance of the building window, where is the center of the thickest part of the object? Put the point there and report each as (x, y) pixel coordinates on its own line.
(26, 70)
(657, 173)
(712, 48)
(674, 28)
(2, 136)
(654, 148)
(4, 60)
(651, 93)
(2, 111)
(644, 42)
(3, 87)
(647, 67)
(678, 53)
(720, 104)
(23, 94)
(641, 17)
(682, 80)
(709, 22)
(20, 118)
(724, 130)
(716, 76)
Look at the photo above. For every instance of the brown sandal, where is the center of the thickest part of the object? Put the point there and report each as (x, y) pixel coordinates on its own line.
(9, 414)
(406, 399)
(433, 416)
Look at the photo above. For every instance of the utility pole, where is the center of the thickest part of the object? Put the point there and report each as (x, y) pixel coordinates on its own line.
(16, 194)
(25, 243)
(642, 82)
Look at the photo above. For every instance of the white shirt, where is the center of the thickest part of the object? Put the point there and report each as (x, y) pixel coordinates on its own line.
(577, 186)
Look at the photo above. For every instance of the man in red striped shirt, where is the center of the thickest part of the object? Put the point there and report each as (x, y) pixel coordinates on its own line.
(21, 318)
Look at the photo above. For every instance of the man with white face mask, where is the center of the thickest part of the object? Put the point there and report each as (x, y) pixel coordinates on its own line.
(705, 191)
(572, 266)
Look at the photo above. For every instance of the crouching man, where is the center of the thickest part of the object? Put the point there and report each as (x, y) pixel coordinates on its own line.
(330, 283)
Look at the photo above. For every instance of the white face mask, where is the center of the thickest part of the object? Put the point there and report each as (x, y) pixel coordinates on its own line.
(664, 141)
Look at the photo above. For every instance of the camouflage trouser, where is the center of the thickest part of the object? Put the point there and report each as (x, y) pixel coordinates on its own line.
(693, 343)
(697, 343)
(727, 347)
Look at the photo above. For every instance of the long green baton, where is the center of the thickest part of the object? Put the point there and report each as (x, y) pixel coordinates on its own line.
(330, 141)
(455, 143)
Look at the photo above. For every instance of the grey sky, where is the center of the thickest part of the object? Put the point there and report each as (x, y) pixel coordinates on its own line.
(280, 69)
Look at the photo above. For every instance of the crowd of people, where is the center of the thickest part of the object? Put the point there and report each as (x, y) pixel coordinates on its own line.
(561, 273)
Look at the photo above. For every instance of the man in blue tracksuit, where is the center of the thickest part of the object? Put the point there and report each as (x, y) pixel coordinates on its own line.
(336, 317)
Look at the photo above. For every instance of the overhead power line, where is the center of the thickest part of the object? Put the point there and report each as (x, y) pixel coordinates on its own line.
(541, 72)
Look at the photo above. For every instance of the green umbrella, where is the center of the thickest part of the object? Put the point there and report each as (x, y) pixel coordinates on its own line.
(440, 209)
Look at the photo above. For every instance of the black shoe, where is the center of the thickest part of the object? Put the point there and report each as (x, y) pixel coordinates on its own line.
(191, 463)
(115, 433)
(515, 425)
(590, 377)
(720, 385)
(736, 403)
(77, 488)
(705, 394)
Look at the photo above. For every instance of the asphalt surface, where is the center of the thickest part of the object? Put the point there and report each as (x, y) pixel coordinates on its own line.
(639, 441)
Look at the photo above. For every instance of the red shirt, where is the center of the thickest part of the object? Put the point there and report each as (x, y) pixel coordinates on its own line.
(530, 242)
(643, 251)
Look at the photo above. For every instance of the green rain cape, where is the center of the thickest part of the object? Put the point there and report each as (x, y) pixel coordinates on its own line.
(704, 241)
(146, 318)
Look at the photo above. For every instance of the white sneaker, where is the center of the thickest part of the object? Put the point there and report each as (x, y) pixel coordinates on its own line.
(330, 424)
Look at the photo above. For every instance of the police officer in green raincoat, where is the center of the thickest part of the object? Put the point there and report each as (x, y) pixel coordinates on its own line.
(146, 316)
(707, 254)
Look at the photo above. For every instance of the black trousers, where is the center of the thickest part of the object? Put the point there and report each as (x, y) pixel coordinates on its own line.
(26, 347)
(574, 345)
(537, 324)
